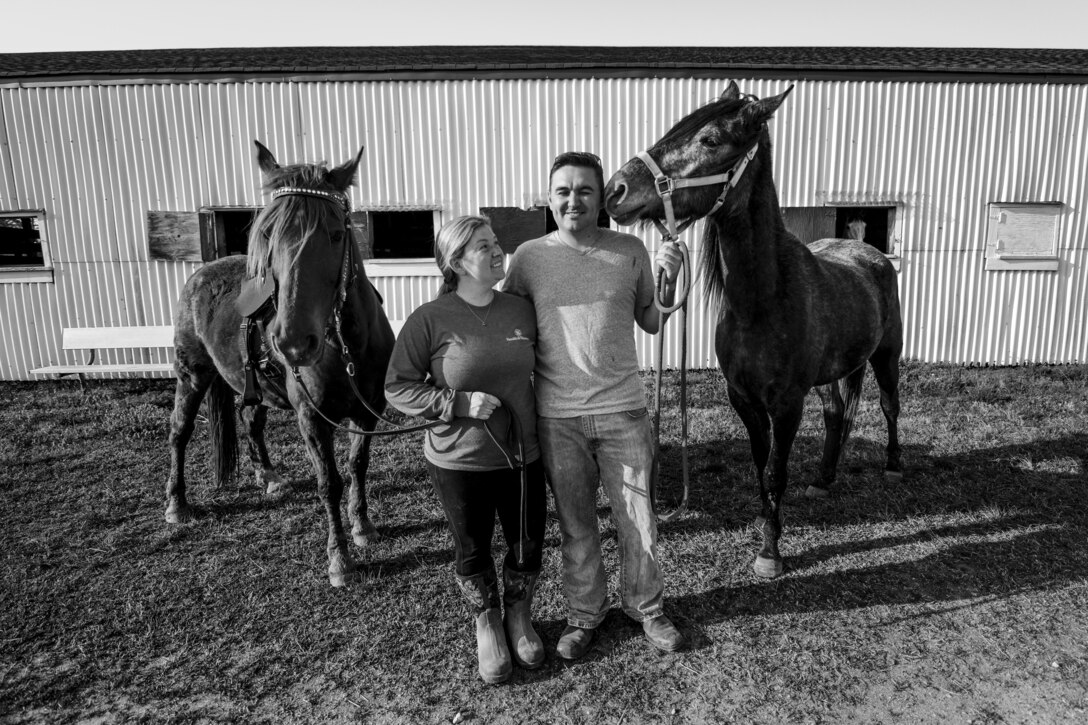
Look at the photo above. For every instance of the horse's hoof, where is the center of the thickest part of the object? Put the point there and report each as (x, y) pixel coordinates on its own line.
(277, 488)
(365, 535)
(268, 478)
(893, 476)
(179, 514)
(816, 492)
(343, 579)
(767, 568)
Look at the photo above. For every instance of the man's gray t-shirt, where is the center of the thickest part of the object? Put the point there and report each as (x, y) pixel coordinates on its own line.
(585, 309)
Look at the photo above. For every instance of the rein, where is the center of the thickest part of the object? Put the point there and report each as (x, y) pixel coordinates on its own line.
(333, 332)
(665, 186)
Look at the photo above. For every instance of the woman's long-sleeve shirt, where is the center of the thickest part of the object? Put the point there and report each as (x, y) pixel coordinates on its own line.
(447, 350)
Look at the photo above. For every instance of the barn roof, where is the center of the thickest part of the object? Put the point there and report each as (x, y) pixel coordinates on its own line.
(546, 61)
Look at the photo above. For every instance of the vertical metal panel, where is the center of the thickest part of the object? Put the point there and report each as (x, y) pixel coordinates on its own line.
(97, 158)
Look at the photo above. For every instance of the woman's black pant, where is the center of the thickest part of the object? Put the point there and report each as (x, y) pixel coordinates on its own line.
(471, 499)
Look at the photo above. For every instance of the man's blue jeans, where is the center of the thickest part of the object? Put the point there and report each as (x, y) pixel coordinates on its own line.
(615, 449)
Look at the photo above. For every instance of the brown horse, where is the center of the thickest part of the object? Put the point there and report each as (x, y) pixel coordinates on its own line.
(302, 249)
(790, 317)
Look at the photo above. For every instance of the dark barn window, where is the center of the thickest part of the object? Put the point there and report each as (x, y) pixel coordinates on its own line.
(871, 224)
(400, 234)
(198, 236)
(232, 231)
(21, 242)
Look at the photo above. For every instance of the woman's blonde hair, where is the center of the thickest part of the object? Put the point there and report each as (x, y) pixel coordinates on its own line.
(449, 246)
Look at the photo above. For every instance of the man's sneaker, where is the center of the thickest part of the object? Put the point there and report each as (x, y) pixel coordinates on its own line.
(663, 634)
(575, 642)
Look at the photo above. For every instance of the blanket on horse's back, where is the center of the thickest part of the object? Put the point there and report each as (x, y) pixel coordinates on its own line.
(256, 304)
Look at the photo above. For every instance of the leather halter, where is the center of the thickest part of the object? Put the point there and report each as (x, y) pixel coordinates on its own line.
(665, 186)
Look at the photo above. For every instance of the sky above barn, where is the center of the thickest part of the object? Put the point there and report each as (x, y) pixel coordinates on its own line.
(72, 25)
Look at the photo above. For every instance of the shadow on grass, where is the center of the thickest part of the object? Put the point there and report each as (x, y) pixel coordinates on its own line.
(404, 562)
(1030, 536)
(967, 571)
(723, 482)
(244, 496)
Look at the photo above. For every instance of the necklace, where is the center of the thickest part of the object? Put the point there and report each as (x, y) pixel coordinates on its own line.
(487, 312)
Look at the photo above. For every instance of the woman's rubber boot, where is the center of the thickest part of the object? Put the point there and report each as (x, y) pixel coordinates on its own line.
(525, 645)
(481, 592)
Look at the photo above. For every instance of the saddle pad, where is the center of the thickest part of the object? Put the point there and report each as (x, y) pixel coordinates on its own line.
(254, 294)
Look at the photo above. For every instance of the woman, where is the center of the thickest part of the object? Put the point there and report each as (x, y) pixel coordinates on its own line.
(465, 359)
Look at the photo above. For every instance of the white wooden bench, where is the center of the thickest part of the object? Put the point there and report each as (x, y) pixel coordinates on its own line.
(93, 339)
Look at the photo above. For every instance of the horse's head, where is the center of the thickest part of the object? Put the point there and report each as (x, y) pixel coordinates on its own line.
(302, 240)
(712, 141)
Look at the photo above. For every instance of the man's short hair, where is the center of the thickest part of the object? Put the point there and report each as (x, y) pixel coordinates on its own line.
(583, 159)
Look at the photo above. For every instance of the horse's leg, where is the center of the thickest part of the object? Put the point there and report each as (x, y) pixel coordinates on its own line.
(330, 488)
(840, 400)
(363, 531)
(759, 433)
(267, 476)
(187, 396)
(885, 364)
(833, 412)
(784, 425)
(758, 425)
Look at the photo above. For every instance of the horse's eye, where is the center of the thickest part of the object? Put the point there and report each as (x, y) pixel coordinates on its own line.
(710, 141)
(337, 236)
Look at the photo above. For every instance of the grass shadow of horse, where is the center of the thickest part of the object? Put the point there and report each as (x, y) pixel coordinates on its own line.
(1024, 532)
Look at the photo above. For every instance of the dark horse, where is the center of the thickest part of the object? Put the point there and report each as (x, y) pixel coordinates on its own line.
(790, 317)
(301, 248)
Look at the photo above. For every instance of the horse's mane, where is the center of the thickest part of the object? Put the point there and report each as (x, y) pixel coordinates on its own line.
(273, 221)
(711, 269)
(703, 115)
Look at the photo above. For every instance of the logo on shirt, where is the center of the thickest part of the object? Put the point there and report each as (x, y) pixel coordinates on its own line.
(518, 336)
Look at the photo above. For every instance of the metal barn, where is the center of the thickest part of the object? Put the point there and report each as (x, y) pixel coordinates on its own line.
(122, 172)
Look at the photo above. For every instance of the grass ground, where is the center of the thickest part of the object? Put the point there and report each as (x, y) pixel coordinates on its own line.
(958, 596)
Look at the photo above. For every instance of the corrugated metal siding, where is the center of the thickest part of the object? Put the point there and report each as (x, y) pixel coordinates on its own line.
(97, 158)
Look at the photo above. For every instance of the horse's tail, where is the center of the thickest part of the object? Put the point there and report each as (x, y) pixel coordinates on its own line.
(851, 394)
(224, 436)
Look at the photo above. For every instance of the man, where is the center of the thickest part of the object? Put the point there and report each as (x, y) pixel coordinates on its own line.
(588, 286)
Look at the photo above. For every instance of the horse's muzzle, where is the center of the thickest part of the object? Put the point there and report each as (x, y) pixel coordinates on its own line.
(300, 350)
(616, 202)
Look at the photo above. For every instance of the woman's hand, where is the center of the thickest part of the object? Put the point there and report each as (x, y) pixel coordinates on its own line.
(478, 405)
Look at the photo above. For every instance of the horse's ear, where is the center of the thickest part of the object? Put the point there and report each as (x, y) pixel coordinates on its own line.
(343, 176)
(731, 92)
(759, 112)
(265, 159)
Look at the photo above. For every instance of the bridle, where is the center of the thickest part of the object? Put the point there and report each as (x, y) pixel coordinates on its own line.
(349, 270)
(665, 186)
(348, 267)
